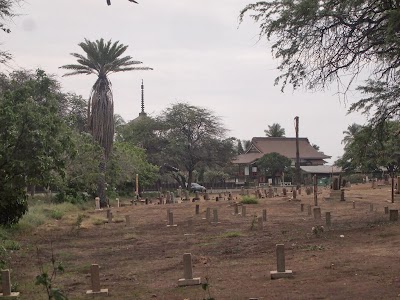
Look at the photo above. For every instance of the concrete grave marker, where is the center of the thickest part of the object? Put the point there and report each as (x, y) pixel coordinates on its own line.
(294, 194)
(118, 204)
(128, 220)
(188, 272)
(208, 213)
(354, 204)
(342, 195)
(260, 224)
(109, 216)
(171, 220)
(95, 279)
(97, 201)
(6, 285)
(317, 213)
(284, 192)
(264, 215)
(197, 209)
(215, 215)
(243, 211)
(281, 271)
(386, 210)
(393, 215)
(301, 207)
(235, 209)
(328, 219)
(309, 209)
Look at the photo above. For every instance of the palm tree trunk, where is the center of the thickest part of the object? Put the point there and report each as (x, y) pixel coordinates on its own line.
(101, 184)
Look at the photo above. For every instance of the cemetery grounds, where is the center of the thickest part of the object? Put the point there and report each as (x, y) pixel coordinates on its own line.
(356, 258)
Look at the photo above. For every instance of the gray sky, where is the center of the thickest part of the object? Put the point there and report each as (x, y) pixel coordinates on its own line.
(199, 53)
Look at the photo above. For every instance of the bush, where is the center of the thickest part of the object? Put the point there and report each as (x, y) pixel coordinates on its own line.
(13, 205)
(249, 200)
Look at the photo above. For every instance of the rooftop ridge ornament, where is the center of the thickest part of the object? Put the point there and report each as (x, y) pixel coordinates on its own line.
(109, 2)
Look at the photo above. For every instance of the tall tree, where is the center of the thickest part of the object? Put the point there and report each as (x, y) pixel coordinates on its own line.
(275, 130)
(102, 59)
(318, 41)
(33, 139)
(195, 138)
(350, 133)
(6, 13)
(240, 149)
(273, 163)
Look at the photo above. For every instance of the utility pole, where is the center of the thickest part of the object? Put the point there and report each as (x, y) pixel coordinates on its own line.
(297, 165)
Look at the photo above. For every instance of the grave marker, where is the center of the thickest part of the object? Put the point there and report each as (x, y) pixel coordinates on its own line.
(281, 271)
(354, 204)
(197, 209)
(328, 219)
(128, 220)
(97, 201)
(260, 223)
(171, 220)
(215, 215)
(188, 272)
(393, 215)
(309, 209)
(386, 210)
(264, 215)
(95, 279)
(243, 211)
(301, 207)
(6, 285)
(317, 213)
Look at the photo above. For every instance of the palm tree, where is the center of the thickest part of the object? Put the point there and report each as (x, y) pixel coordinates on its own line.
(349, 134)
(102, 59)
(275, 130)
(109, 1)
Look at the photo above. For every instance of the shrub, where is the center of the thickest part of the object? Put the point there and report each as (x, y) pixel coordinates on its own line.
(249, 200)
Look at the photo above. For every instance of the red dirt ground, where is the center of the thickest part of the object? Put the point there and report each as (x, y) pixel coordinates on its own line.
(145, 261)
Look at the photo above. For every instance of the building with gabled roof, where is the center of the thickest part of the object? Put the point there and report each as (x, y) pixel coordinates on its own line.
(286, 146)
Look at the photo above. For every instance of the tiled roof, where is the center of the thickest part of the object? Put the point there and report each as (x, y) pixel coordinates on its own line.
(282, 145)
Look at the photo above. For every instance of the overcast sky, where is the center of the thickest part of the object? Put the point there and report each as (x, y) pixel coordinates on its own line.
(199, 53)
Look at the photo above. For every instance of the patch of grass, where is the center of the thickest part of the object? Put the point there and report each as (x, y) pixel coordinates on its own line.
(33, 218)
(118, 220)
(56, 214)
(130, 236)
(314, 248)
(11, 245)
(249, 200)
(99, 221)
(232, 234)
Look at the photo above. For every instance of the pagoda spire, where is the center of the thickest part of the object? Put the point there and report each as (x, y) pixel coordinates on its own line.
(142, 113)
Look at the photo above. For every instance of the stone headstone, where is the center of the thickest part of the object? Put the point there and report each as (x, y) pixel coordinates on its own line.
(215, 216)
(197, 209)
(354, 204)
(393, 215)
(260, 223)
(294, 194)
(309, 209)
(386, 210)
(317, 213)
(118, 204)
(301, 207)
(95, 280)
(171, 220)
(264, 215)
(281, 271)
(284, 192)
(328, 219)
(97, 201)
(342, 195)
(243, 211)
(128, 220)
(6, 285)
(188, 272)
(236, 209)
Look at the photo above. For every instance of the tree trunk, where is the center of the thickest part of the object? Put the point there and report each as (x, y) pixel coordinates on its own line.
(101, 184)
(190, 177)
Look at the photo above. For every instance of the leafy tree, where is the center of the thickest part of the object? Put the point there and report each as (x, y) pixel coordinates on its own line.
(275, 130)
(147, 133)
(33, 140)
(240, 149)
(273, 163)
(315, 146)
(102, 59)
(128, 160)
(319, 41)
(350, 133)
(195, 139)
(215, 176)
(246, 144)
(6, 13)
(372, 148)
(73, 109)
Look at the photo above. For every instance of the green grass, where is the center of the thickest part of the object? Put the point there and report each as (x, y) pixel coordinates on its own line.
(11, 245)
(249, 200)
(232, 234)
(99, 221)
